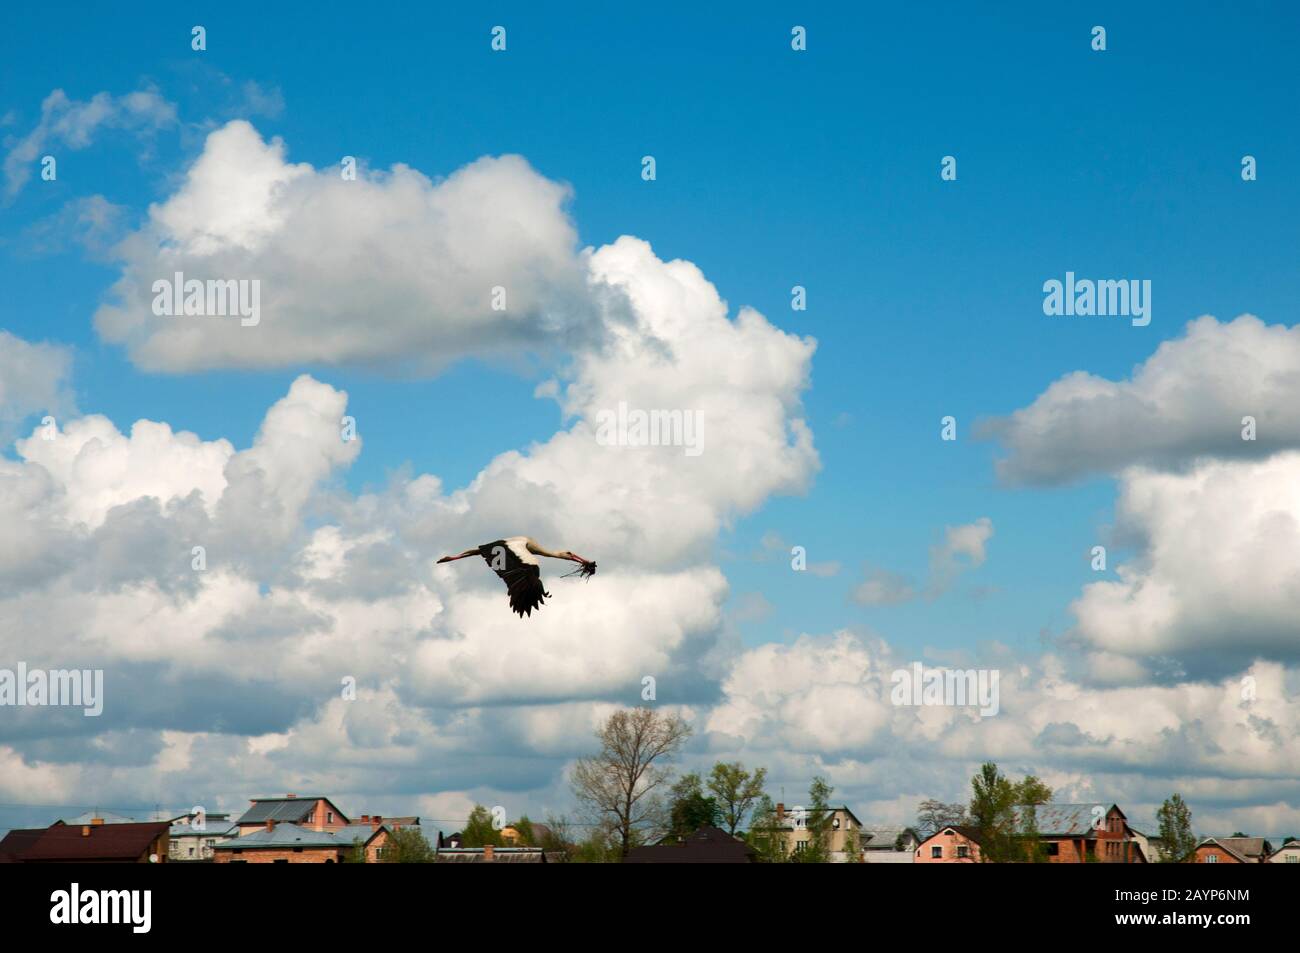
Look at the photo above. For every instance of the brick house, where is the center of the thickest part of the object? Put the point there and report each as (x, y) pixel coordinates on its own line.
(954, 844)
(1070, 834)
(1082, 833)
(87, 844)
(314, 813)
(1232, 850)
(288, 843)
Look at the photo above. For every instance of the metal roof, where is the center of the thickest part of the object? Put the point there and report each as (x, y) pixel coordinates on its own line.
(290, 809)
(291, 835)
(1056, 819)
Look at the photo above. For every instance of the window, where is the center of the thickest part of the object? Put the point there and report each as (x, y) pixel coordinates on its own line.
(1053, 849)
(191, 851)
(1211, 858)
(936, 853)
(962, 851)
(1293, 858)
(329, 817)
(836, 823)
(800, 846)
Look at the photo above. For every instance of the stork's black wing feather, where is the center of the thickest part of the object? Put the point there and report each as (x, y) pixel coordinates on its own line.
(523, 580)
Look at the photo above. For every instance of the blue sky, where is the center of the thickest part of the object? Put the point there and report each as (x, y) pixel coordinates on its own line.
(775, 169)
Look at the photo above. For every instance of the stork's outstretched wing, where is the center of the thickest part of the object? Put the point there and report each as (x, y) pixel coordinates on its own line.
(519, 569)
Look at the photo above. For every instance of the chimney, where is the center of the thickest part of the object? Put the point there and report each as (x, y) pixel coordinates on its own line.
(780, 813)
(290, 795)
(85, 830)
(97, 821)
(376, 821)
(487, 853)
(365, 818)
(270, 825)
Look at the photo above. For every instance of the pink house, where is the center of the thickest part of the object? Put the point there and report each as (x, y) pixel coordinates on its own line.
(950, 845)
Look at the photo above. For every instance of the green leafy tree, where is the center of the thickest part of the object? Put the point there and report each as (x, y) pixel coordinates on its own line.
(736, 791)
(1005, 814)
(479, 830)
(765, 835)
(853, 847)
(817, 822)
(407, 845)
(1178, 843)
(356, 854)
(690, 809)
(527, 836)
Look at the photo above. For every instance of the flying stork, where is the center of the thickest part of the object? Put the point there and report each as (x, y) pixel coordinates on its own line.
(515, 561)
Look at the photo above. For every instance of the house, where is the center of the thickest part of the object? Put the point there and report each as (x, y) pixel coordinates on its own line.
(514, 838)
(118, 843)
(954, 844)
(1232, 850)
(1152, 847)
(896, 839)
(1288, 853)
(191, 843)
(708, 845)
(288, 843)
(844, 830)
(1082, 833)
(492, 855)
(314, 813)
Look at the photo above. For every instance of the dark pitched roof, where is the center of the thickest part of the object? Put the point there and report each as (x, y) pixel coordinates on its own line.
(103, 842)
(293, 810)
(16, 842)
(972, 834)
(708, 845)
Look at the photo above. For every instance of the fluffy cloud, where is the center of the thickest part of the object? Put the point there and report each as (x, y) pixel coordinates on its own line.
(235, 672)
(34, 378)
(822, 705)
(390, 269)
(74, 124)
(1185, 402)
(1213, 585)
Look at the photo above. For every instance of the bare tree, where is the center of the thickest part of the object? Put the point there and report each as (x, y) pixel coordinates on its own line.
(620, 785)
(933, 816)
